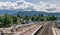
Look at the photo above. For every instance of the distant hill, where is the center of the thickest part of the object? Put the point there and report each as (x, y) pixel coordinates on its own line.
(7, 11)
(32, 13)
(28, 13)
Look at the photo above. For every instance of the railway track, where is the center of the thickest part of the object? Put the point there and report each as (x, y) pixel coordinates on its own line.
(45, 30)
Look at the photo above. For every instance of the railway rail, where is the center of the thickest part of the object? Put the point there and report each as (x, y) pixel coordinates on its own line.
(46, 29)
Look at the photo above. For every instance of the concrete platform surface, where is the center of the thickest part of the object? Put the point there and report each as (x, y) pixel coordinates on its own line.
(56, 31)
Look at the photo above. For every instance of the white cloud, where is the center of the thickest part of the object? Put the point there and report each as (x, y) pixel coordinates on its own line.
(23, 5)
(50, 8)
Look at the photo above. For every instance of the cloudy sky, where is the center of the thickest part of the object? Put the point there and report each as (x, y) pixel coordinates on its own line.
(31, 5)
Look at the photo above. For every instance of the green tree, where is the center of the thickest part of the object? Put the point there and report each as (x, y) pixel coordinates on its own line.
(50, 18)
(7, 21)
(26, 18)
(32, 19)
(18, 16)
(42, 15)
(15, 20)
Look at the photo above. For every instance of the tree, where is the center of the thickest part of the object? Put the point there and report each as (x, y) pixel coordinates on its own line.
(50, 18)
(15, 20)
(36, 18)
(7, 21)
(18, 16)
(26, 18)
(32, 19)
(41, 15)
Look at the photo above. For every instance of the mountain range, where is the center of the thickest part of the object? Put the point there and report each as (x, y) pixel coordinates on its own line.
(27, 13)
(32, 13)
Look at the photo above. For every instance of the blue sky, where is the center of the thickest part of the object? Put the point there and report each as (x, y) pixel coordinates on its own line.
(47, 1)
(32, 0)
(36, 1)
(7, 0)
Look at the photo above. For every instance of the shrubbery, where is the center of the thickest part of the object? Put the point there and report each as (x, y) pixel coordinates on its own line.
(8, 20)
